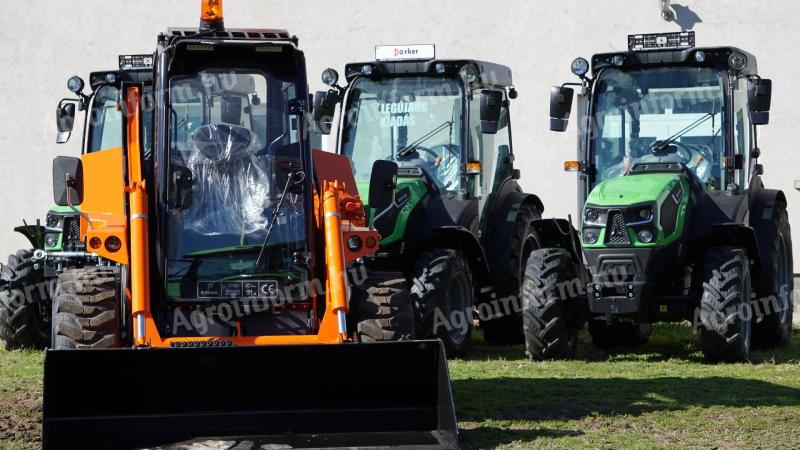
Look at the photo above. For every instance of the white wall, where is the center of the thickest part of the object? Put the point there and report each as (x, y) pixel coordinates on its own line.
(44, 42)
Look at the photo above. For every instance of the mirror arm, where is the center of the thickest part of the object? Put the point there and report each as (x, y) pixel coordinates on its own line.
(382, 213)
(71, 182)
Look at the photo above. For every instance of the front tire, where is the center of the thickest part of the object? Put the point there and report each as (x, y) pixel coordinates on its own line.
(24, 302)
(725, 321)
(382, 308)
(86, 309)
(775, 329)
(507, 329)
(550, 333)
(443, 297)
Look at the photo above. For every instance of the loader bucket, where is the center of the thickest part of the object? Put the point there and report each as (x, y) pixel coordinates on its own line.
(301, 396)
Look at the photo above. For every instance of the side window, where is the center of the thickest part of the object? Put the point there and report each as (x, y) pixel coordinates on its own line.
(105, 127)
(741, 124)
(496, 150)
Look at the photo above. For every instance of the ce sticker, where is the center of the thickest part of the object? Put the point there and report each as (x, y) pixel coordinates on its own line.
(268, 289)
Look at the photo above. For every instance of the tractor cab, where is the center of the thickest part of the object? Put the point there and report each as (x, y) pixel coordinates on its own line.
(667, 101)
(444, 122)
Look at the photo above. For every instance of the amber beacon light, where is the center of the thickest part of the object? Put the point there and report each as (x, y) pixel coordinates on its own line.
(211, 15)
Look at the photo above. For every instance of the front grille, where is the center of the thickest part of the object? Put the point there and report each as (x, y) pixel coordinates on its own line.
(617, 233)
(72, 233)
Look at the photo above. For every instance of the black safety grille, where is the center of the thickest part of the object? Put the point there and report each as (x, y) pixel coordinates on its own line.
(72, 233)
(617, 231)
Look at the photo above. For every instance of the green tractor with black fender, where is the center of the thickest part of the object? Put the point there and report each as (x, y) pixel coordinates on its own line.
(462, 228)
(676, 222)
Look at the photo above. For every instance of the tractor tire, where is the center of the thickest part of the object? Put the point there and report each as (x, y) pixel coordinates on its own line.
(24, 303)
(775, 327)
(382, 309)
(618, 334)
(550, 333)
(443, 297)
(507, 328)
(725, 324)
(86, 309)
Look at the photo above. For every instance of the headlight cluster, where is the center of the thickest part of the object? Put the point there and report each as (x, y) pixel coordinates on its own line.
(641, 219)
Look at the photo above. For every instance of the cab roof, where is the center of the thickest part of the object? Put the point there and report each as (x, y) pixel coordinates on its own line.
(714, 57)
(489, 74)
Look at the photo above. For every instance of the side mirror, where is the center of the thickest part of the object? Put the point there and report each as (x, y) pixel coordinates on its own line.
(382, 184)
(759, 98)
(560, 107)
(65, 120)
(491, 107)
(67, 181)
(324, 110)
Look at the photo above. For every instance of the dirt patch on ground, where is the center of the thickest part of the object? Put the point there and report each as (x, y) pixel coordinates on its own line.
(21, 415)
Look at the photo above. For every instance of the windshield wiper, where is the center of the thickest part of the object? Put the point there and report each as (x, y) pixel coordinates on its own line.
(661, 145)
(411, 147)
(301, 176)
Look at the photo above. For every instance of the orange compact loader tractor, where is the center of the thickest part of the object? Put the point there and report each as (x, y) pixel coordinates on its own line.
(229, 299)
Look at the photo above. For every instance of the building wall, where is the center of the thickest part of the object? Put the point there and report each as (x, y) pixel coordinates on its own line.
(43, 43)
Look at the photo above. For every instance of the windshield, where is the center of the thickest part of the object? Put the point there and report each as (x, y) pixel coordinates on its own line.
(672, 114)
(233, 149)
(414, 121)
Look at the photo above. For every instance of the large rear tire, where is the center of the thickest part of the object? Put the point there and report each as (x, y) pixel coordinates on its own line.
(508, 328)
(86, 309)
(382, 309)
(24, 303)
(725, 321)
(443, 297)
(775, 328)
(550, 333)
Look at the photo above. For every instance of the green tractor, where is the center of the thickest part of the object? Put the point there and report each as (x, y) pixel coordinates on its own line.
(27, 279)
(676, 222)
(461, 228)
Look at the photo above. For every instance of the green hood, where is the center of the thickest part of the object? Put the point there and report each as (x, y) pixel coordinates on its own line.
(633, 189)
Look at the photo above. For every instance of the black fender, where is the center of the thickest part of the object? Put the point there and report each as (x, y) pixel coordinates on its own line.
(500, 228)
(762, 204)
(559, 233)
(731, 235)
(34, 234)
(461, 239)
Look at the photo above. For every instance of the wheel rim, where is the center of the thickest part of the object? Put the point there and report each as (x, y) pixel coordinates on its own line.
(458, 293)
(783, 281)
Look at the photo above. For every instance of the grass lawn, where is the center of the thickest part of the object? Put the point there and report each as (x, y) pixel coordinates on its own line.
(658, 396)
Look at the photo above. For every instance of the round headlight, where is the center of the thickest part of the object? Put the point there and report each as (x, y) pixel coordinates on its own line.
(591, 215)
(590, 236)
(367, 69)
(75, 84)
(700, 56)
(737, 61)
(95, 242)
(111, 78)
(51, 240)
(330, 77)
(440, 68)
(354, 243)
(580, 67)
(645, 213)
(468, 73)
(52, 221)
(618, 60)
(645, 236)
